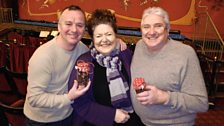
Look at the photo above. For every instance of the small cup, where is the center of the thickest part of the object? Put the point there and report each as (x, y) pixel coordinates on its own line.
(83, 71)
(139, 85)
(82, 78)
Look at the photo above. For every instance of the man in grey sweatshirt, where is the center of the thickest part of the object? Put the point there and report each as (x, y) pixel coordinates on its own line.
(175, 90)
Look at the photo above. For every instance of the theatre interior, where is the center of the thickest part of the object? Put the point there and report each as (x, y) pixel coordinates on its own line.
(27, 24)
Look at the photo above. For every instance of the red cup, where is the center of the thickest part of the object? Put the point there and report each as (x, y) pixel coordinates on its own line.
(83, 71)
(139, 85)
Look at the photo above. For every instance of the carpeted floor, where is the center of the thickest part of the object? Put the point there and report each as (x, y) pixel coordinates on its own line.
(214, 116)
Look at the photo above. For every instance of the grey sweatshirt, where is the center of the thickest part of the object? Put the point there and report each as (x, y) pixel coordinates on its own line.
(175, 68)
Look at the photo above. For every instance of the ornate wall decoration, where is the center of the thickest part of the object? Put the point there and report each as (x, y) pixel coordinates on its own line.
(50, 8)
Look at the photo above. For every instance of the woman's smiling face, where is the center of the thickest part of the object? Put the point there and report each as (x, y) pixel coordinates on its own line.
(104, 38)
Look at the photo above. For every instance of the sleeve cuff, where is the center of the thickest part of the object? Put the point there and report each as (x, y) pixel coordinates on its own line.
(171, 102)
(67, 99)
(168, 99)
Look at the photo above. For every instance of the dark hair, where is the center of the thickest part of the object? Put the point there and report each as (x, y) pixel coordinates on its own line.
(74, 8)
(101, 16)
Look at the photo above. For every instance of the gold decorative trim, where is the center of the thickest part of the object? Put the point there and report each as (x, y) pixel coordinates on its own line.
(185, 20)
(188, 18)
(38, 14)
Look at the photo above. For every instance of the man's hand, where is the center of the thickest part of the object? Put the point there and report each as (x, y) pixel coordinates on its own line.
(152, 95)
(76, 91)
(123, 45)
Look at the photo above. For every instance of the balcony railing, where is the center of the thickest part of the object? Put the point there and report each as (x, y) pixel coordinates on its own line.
(6, 15)
(207, 37)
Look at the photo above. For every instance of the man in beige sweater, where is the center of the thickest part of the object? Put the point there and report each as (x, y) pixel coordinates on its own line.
(48, 101)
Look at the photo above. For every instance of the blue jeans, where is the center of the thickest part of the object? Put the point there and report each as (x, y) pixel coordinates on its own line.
(65, 122)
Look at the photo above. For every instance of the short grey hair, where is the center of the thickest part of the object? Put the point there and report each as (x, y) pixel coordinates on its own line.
(158, 11)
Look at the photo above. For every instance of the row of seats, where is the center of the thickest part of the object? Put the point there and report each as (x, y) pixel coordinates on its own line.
(14, 56)
(12, 96)
(19, 56)
(17, 50)
(25, 40)
(13, 84)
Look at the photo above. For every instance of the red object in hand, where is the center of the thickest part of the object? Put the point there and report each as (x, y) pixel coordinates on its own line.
(139, 84)
(83, 70)
(84, 66)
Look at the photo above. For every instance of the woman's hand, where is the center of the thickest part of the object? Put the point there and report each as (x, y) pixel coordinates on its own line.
(121, 116)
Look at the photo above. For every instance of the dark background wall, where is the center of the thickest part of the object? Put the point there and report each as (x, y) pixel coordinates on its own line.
(11, 4)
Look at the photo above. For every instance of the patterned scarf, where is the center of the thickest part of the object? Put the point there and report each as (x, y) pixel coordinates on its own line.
(118, 86)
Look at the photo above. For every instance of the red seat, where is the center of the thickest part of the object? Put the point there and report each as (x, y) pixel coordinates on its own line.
(19, 79)
(19, 57)
(16, 58)
(14, 113)
(35, 41)
(8, 93)
(2, 64)
(3, 54)
(28, 52)
(14, 36)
